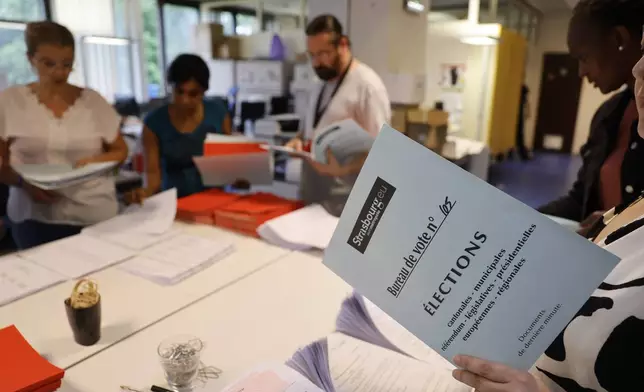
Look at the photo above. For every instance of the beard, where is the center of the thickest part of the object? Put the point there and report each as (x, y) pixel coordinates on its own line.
(327, 73)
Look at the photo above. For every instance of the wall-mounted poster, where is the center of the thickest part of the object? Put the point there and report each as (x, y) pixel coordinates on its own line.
(452, 77)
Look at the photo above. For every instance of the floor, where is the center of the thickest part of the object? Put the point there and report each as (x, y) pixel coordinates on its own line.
(538, 181)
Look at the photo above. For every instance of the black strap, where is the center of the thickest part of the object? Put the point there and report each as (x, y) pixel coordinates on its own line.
(319, 112)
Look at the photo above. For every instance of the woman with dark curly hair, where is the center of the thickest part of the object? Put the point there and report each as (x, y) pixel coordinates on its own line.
(175, 133)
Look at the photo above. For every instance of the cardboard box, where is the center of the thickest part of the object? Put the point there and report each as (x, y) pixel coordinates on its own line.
(228, 48)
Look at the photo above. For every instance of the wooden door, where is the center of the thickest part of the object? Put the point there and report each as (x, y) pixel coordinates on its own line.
(558, 103)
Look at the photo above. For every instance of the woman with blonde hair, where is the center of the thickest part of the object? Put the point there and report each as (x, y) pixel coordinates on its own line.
(51, 121)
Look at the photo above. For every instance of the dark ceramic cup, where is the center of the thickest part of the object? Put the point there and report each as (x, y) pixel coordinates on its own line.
(85, 323)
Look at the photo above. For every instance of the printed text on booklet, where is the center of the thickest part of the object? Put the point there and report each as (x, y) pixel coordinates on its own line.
(463, 266)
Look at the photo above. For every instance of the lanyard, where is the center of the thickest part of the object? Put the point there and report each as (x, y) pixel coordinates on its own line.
(319, 112)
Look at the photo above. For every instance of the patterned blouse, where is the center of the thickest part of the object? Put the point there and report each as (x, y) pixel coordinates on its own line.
(602, 348)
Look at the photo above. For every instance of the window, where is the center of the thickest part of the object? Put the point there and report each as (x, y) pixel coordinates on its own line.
(179, 24)
(246, 24)
(151, 50)
(14, 67)
(22, 10)
(226, 19)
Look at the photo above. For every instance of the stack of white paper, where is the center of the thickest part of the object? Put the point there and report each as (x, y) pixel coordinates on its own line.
(306, 228)
(77, 256)
(177, 258)
(140, 227)
(19, 278)
(62, 175)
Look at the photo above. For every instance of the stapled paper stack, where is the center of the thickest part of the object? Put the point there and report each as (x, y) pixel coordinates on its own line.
(62, 176)
(249, 212)
(23, 369)
(201, 207)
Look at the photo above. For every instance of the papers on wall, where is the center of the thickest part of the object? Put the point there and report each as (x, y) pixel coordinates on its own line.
(177, 258)
(59, 176)
(77, 256)
(19, 278)
(140, 226)
(306, 228)
(461, 265)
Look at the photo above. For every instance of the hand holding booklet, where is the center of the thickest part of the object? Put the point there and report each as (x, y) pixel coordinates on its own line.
(458, 263)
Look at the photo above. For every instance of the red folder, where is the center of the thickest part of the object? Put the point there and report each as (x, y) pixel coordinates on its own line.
(249, 212)
(201, 207)
(23, 369)
(211, 149)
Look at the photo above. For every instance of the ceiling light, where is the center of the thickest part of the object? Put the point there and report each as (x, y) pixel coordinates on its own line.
(414, 6)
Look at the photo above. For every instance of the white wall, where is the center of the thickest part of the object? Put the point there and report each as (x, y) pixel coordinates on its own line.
(553, 38)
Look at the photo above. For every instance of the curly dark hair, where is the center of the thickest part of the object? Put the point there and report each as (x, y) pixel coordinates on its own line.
(188, 67)
(607, 14)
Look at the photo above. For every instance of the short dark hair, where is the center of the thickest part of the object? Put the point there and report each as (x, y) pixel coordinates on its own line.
(187, 67)
(608, 14)
(325, 24)
(47, 33)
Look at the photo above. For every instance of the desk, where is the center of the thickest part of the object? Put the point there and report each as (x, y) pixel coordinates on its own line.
(264, 318)
(130, 303)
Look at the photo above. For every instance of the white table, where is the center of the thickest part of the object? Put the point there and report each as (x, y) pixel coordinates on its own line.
(130, 303)
(263, 318)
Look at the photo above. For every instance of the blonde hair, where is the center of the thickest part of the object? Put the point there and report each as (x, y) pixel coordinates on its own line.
(47, 33)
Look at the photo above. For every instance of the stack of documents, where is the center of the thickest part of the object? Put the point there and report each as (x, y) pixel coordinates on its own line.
(140, 226)
(19, 278)
(306, 228)
(177, 258)
(201, 207)
(23, 369)
(227, 159)
(77, 256)
(60, 176)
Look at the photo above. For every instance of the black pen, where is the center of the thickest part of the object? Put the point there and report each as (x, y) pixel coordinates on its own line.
(155, 388)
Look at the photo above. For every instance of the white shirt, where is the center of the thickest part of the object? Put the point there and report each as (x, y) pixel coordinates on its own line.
(362, 97)
(41, 138)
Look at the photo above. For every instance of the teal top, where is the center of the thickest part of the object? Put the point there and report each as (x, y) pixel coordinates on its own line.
(176, 149)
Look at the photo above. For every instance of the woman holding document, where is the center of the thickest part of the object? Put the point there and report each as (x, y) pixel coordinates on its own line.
(602, 348)
(53, 122)
(175, 133)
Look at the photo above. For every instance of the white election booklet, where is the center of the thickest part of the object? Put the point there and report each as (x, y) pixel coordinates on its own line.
(461, 265)
(217, 170)
(58, 176)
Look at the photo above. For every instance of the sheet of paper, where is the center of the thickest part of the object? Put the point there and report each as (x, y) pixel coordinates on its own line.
(460, 264)
(275, 378)
(19, 278)
(131, 239)
(295, 231)
(77, 256)
(177, 258)
(357, 366)
(218, 170)
(344, 139)
(155, 216)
